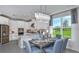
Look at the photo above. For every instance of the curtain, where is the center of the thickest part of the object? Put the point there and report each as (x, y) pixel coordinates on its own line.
(74, 15)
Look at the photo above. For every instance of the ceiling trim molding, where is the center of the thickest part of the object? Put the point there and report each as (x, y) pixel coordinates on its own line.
(3, 15)
(19, 19)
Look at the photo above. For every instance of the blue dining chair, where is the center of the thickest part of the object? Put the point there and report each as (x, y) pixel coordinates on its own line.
(64, 44)
(56, 47)
(30, 49)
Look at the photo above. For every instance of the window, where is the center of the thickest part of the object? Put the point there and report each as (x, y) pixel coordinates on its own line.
(66, 23)
(62, 26)
(56, 26)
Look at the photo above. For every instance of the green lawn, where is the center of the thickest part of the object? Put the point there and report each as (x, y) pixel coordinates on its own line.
(66, 32)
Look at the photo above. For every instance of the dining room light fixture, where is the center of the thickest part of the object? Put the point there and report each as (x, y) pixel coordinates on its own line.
(41, 15)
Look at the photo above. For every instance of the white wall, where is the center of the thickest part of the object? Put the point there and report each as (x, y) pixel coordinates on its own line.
(73, 43)
(14, 25)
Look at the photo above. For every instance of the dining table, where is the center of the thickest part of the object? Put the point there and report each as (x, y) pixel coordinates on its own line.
(41, 44)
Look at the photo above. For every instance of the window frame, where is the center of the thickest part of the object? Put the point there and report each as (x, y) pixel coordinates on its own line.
(61, 27)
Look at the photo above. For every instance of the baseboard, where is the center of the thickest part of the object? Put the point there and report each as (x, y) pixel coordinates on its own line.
(72, 50)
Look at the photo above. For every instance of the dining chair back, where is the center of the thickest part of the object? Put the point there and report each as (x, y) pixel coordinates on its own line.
(29, 48)
(57, 46)
(64, 44)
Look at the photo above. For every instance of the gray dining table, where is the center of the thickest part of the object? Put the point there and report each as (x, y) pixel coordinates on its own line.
(41, 44)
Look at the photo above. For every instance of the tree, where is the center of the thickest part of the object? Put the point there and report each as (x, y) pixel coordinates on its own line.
(65, 23)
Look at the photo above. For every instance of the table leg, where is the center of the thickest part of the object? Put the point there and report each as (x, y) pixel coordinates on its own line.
(42, 50)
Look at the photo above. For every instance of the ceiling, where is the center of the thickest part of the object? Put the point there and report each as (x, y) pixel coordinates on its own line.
(27, 11)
